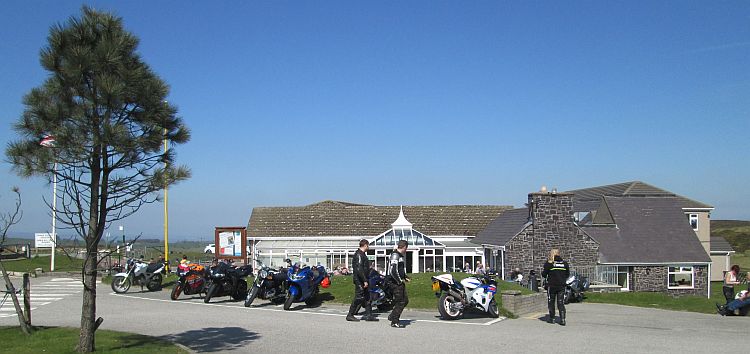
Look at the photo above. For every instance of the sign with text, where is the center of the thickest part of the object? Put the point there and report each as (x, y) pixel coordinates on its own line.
(43, 240)
(231, 242)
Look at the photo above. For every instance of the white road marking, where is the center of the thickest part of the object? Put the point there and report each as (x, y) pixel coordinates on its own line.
(303, 311)
(11, 308)
(35, 299)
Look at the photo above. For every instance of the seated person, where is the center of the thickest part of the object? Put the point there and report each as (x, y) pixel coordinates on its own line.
(739, 303)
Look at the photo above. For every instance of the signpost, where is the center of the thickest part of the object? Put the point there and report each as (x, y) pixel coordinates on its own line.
(43, 240)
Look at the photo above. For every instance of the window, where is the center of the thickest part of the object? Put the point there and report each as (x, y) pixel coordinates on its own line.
(693, 221)
(679, 277)
(622, 277)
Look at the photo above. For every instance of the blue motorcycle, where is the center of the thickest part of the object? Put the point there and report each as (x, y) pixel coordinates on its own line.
(303, 284)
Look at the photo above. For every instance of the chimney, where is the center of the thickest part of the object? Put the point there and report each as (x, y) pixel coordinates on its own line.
(550, 212)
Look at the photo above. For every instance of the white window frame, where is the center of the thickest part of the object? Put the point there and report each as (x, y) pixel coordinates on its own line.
(691, 218)
(682, 270)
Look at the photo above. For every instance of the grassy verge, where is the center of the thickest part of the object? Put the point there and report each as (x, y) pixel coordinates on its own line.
(663, 301)
(64, 340)
(62, 264)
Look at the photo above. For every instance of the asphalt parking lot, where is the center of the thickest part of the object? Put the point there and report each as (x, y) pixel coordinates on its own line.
(226, 326)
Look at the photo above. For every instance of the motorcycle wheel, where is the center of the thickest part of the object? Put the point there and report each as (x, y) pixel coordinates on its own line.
(241, 292)
(120, 284)
(211, 291)
(444, 307)
(176, 291)
(251, 296)
(579, 297)
(492, 309)
(289, 301)
(155, 283)
(566, 297)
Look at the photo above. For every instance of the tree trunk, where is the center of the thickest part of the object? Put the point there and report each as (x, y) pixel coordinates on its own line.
(88, 310)
(25, 328)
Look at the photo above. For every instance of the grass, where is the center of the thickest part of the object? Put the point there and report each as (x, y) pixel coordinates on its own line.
(419, 291)
(62, 264)
(64, 340)
(662, 301)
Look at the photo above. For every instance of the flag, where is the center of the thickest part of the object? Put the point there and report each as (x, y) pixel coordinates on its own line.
(47, 141)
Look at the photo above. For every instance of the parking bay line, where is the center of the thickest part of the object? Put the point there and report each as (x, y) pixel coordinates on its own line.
(307, 312)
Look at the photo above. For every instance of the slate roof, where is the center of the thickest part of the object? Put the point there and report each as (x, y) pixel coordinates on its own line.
(648, 230)
(585, 199)
(503, 228)
(334, 218)
(719, 244)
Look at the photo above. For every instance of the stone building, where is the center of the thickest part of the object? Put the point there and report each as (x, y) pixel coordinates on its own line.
(630, 235)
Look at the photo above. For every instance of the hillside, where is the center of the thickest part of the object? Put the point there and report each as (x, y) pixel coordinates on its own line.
(736, 232)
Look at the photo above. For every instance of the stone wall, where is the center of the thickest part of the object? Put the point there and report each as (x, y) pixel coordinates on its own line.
(654, 279)
(552, 227)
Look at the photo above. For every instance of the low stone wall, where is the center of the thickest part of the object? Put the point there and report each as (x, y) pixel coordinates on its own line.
(521, 305)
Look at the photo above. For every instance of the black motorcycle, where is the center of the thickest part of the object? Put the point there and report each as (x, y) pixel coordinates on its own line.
(193, 281)
(381, 295)
(268, 285)
(227, 281)
(575, 285)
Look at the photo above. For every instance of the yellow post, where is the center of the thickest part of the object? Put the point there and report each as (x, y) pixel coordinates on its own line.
(166, 211)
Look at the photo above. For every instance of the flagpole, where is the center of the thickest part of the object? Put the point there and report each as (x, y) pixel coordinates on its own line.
(54, 217)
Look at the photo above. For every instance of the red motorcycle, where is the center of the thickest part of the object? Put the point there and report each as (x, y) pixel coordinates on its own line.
(192, 280)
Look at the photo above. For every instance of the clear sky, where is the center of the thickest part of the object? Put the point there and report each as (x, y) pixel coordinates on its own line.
(421, 102)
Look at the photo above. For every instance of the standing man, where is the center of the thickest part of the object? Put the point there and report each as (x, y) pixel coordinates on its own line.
(360, 269)
(556, 271)
(397, 279)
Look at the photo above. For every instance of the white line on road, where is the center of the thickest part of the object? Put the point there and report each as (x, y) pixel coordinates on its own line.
(63, 279)
(8, 309)
(303, 311)
(34, 298)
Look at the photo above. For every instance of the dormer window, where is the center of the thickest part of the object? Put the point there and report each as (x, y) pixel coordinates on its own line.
(693, 221)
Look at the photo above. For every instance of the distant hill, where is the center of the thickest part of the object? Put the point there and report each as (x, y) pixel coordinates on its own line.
(736, 232)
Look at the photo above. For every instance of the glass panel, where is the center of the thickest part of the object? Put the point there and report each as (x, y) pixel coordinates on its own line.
(389, 240)
(439, 264)
(421, 264)
(429, 263)
(672, 269)
(379, 242)
(428, 241)
(399, 234)
(438, 251)
(681, 280)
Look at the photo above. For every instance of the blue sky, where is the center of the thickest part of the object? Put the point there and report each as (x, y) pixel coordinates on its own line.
(426, 102)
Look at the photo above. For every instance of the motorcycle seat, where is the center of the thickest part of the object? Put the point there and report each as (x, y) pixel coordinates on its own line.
(153, 267)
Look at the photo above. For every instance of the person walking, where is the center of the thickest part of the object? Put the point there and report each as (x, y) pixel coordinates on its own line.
(730, 280)
(360, 269)
(397, 280)
(556, 271)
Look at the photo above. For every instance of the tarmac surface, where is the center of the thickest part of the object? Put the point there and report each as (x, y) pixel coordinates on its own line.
(227, 326)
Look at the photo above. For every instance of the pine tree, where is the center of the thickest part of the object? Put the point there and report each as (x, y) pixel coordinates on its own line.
(106, 111)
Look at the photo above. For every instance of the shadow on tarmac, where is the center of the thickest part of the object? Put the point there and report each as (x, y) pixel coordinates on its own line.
(214, 339)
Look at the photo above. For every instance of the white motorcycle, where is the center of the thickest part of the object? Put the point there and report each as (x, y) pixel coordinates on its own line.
(139, 273)
(472, 292)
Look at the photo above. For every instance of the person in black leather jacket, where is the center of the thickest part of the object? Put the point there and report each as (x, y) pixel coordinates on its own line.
(397, 279)
(556, 271)
(360, 269)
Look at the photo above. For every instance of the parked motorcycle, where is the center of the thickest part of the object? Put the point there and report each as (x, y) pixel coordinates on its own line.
(575, 285)
(268, 285)
(227, 281)
(381, 295)
(139, 273)
(303, 284)
(470, 293)
(192, 280)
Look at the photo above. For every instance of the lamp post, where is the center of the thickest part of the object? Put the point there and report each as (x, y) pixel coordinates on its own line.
(166, 210)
